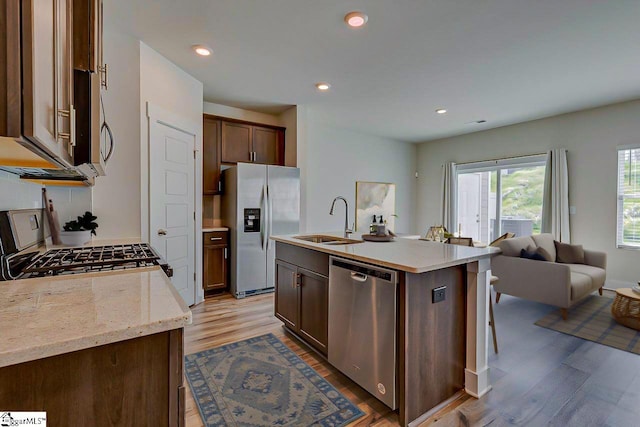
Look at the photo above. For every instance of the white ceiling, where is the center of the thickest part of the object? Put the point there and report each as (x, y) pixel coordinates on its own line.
(505, 61)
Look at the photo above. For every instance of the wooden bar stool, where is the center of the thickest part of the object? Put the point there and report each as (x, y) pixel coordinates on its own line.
(492, 322)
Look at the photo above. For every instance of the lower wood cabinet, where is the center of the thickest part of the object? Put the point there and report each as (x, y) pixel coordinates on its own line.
(302, 295)
(215, 260)
(137, 382)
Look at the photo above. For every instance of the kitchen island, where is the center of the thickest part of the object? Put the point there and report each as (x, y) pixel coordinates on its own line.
(96, 349)
(440, 308)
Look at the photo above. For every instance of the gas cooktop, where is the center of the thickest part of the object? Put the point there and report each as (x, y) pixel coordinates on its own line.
(85, 260)
(65, 261)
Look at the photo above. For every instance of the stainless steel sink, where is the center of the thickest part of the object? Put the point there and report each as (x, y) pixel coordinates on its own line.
(327, 240)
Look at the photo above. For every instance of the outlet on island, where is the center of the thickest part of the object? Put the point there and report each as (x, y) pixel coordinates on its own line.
(439, 294)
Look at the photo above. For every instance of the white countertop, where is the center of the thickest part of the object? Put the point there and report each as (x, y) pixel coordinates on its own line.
(412, 256)
(209, 229)
(44, 317)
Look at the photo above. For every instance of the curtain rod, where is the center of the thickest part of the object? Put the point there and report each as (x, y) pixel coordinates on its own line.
(503, 158)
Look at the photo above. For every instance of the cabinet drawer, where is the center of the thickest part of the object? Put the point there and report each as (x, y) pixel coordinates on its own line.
(216, 238)
(308, 259)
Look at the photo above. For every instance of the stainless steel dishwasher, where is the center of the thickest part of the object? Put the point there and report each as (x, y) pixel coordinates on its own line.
(362, 326)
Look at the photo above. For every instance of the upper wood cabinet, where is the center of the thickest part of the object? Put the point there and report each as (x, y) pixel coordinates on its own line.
(87, 35)
(236, 142)
(211, 155)
(268, 146)
(250, 143)
(47, 77)
(10, 90)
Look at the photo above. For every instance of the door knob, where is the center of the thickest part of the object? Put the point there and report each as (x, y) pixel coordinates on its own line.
(162, 232)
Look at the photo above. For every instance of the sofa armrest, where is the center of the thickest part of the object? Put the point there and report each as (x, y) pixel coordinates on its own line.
(595, 259)
(541, 281)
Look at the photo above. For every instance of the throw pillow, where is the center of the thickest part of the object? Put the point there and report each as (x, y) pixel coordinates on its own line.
(569, 254)
(540, 251)
(544, 253)
(531, 255)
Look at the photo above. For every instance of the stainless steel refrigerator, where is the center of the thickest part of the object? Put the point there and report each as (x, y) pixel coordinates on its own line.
(259, 201)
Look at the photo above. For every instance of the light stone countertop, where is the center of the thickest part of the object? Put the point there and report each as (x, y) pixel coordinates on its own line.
(209, 229)
(44, 317)
(412, 256)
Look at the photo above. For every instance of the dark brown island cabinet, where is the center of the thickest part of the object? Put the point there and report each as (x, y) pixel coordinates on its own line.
(437, 352)
(302, 293)
(215, 261)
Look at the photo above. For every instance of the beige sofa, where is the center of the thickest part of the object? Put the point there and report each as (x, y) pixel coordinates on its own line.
(551, 283)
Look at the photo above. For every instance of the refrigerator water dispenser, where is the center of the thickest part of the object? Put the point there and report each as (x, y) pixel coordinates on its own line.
(252, 220)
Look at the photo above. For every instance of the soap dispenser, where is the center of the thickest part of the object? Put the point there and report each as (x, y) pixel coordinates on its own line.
(373, 227)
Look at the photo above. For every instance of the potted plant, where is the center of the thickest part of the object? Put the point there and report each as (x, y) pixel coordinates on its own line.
(78, 232)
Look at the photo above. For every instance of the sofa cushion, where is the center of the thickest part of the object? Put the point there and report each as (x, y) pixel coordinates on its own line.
(598, 275)
(581, 285)
(545, 241)
(512, 247)
(569, 254)
(531, 254)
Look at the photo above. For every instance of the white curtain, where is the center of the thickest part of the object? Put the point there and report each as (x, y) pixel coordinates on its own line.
(555, 202)
(449, 196)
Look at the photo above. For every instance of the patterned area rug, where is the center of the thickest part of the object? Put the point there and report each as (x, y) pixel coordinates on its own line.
(260, 382)
(591, 320)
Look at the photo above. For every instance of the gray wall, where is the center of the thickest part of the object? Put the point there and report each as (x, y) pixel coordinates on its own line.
(331, 160)
(591, 138)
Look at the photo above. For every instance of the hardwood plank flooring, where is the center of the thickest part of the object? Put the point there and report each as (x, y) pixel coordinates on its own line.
(540, 377)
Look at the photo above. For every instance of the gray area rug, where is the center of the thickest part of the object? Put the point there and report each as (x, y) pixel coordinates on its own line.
(261, 382)
(591, 320)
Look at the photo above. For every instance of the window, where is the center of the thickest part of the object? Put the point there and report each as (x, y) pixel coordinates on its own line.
(500, 196)
(628, 232)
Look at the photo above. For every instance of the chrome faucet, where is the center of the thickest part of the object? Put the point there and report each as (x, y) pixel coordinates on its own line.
(347, 230)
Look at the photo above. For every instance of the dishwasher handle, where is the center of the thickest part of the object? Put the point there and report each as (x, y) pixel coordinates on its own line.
(359, 277)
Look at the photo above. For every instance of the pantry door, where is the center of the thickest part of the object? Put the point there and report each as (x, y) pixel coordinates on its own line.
(172, 166)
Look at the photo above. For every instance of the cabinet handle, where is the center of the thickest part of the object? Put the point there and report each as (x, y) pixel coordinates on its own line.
(219, 185)
(298, 280)
(293, 279)
(216, 238)
(225, 253)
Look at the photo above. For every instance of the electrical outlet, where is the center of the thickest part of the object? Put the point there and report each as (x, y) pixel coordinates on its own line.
(439, 294)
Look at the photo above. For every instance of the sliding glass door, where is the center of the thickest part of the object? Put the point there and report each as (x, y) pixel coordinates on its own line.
(500, 196)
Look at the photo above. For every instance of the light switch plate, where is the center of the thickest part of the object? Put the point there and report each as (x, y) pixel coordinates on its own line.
(572, 210)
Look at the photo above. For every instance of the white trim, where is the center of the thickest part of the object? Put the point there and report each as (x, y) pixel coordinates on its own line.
(513, 162)
(182, 124)
(628, 147)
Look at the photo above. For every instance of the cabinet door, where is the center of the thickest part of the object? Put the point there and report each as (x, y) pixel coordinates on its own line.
(47, 77)
(87, 37)
(236, 142)
(215, 267)
(314, 309)
(10, 90)
(211, 156)
(268, 145)
(286, 300)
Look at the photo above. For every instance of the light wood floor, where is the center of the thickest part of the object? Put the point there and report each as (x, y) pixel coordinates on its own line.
(541, 377)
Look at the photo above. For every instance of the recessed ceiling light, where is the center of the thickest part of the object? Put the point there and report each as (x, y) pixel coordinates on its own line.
(201, 49)
(356, 19)
(323, 86)
(441, 111)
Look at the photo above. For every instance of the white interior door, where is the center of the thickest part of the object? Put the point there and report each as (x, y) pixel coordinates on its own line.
(172, 201)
